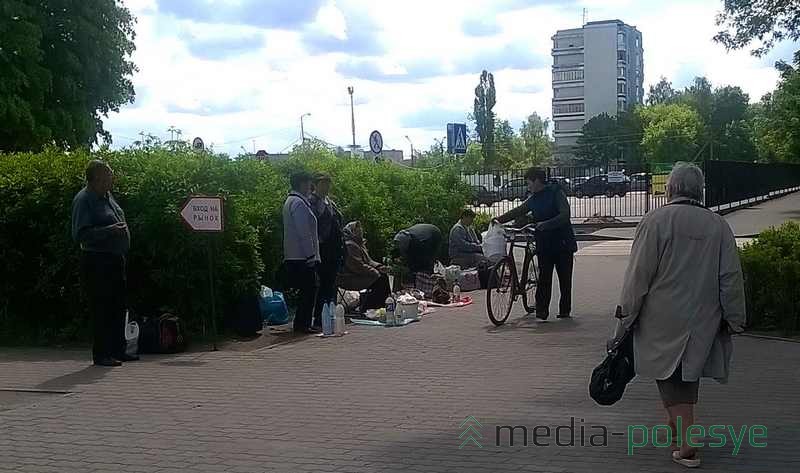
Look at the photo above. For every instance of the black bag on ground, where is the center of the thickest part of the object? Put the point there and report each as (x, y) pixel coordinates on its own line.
(164, 334)
(609, 379)
(245, 318)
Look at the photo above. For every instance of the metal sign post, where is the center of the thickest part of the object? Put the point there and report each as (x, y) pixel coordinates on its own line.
(204, 214)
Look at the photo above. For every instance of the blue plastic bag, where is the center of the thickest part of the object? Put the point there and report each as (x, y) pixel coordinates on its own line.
(273, 309)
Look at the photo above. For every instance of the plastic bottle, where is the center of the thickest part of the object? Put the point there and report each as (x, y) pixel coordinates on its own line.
(339, 325)
(390, 308)
(327, 327)
(456, 293)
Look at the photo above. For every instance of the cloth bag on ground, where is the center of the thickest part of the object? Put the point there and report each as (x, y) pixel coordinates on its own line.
(494, 242)
(469, 280)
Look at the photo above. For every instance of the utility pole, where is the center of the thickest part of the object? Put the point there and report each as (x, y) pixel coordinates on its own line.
(352, 115)
(302, 131)
(412, 151)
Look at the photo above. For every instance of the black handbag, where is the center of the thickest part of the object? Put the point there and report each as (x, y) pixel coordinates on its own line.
(609, 378)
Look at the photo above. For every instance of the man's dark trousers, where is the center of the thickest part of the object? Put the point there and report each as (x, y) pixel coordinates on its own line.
(105, 286)
(562, 262)
(305, 280)
(327, 280)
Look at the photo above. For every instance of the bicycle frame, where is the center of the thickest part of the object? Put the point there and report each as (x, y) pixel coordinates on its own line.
(526, 243)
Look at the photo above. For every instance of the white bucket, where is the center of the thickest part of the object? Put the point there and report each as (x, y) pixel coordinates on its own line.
(408, 311)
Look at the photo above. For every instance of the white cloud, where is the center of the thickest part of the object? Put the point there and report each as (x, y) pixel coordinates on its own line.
(260, 90)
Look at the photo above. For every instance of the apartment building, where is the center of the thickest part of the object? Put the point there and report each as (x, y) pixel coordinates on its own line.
(597, 69)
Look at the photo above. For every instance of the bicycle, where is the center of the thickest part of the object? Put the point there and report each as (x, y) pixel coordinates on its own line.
(504, 286)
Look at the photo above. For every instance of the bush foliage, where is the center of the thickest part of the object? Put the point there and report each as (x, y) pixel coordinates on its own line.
(771, 267)
(40, 298)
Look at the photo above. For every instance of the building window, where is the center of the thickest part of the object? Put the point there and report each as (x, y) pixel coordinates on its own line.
(622, 88)
(569, 60)
(567, 108)
(621, 41)
(561, 76)
(621, 71)
(569, 125)
(568, 92)
(621, 104)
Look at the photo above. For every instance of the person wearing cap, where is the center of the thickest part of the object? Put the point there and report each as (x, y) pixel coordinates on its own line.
(301, 249)
(331, 243)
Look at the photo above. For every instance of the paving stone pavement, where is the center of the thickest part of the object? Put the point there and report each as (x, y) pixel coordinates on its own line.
(383, 400)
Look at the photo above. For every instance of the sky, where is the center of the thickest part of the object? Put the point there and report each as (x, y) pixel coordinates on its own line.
(240, 73)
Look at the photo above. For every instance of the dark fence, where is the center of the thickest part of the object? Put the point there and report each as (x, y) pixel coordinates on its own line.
(628, 192)
(624, 192)
(733, 183)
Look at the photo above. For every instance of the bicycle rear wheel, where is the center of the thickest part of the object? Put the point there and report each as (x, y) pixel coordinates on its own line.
(530, 281)
(500, 291)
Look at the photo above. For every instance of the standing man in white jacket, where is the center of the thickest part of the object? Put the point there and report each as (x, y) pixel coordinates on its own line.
(301, 249)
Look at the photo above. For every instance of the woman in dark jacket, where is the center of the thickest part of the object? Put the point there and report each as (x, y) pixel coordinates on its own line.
(361, 271)
(555, 240)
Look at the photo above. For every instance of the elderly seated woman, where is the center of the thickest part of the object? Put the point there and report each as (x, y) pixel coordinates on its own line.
(361, 272)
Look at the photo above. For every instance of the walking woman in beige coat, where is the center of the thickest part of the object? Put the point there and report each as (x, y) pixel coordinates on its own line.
(684, 296)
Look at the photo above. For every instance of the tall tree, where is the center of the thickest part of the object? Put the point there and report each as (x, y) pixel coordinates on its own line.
(671, 132)
(536, 142)
(598, 143)
(64, 65)
(777, 118)
(728, 104)
(485, 99)
(700, 97)
(508, 146)
(662, 92)
(768, 21)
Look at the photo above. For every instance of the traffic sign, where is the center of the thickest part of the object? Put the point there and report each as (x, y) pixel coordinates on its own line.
(376, 142)
(456, 138)
(198, 144)
(203, 214)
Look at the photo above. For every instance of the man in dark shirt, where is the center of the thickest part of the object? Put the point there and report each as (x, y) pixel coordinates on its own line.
(555, 240)
(419, 246)
(99, 226)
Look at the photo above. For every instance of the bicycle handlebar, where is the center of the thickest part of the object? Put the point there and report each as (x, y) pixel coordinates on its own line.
(530, 228)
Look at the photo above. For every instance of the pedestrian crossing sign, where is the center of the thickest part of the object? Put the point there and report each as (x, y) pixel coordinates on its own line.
(456, 138)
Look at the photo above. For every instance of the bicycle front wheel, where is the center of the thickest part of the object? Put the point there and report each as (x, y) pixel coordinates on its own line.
(500, 291)
(530, 281)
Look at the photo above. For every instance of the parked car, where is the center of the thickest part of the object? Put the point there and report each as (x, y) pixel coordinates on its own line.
(600, 185)
(515, 189)
(562, 182)
(640, 182)
(483, 196)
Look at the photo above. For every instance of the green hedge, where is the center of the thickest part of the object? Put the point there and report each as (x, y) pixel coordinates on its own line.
(39, 280)
(771, 267)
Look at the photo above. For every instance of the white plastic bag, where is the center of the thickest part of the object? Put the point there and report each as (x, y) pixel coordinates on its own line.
(494, 242)
(131, 337)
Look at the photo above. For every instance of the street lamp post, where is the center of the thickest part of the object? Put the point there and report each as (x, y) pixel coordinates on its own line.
(412, 150)
(352, 115)
(302, 131)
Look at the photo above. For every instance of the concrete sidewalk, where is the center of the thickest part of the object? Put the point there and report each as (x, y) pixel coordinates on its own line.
(383, 399)
(747, 221)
